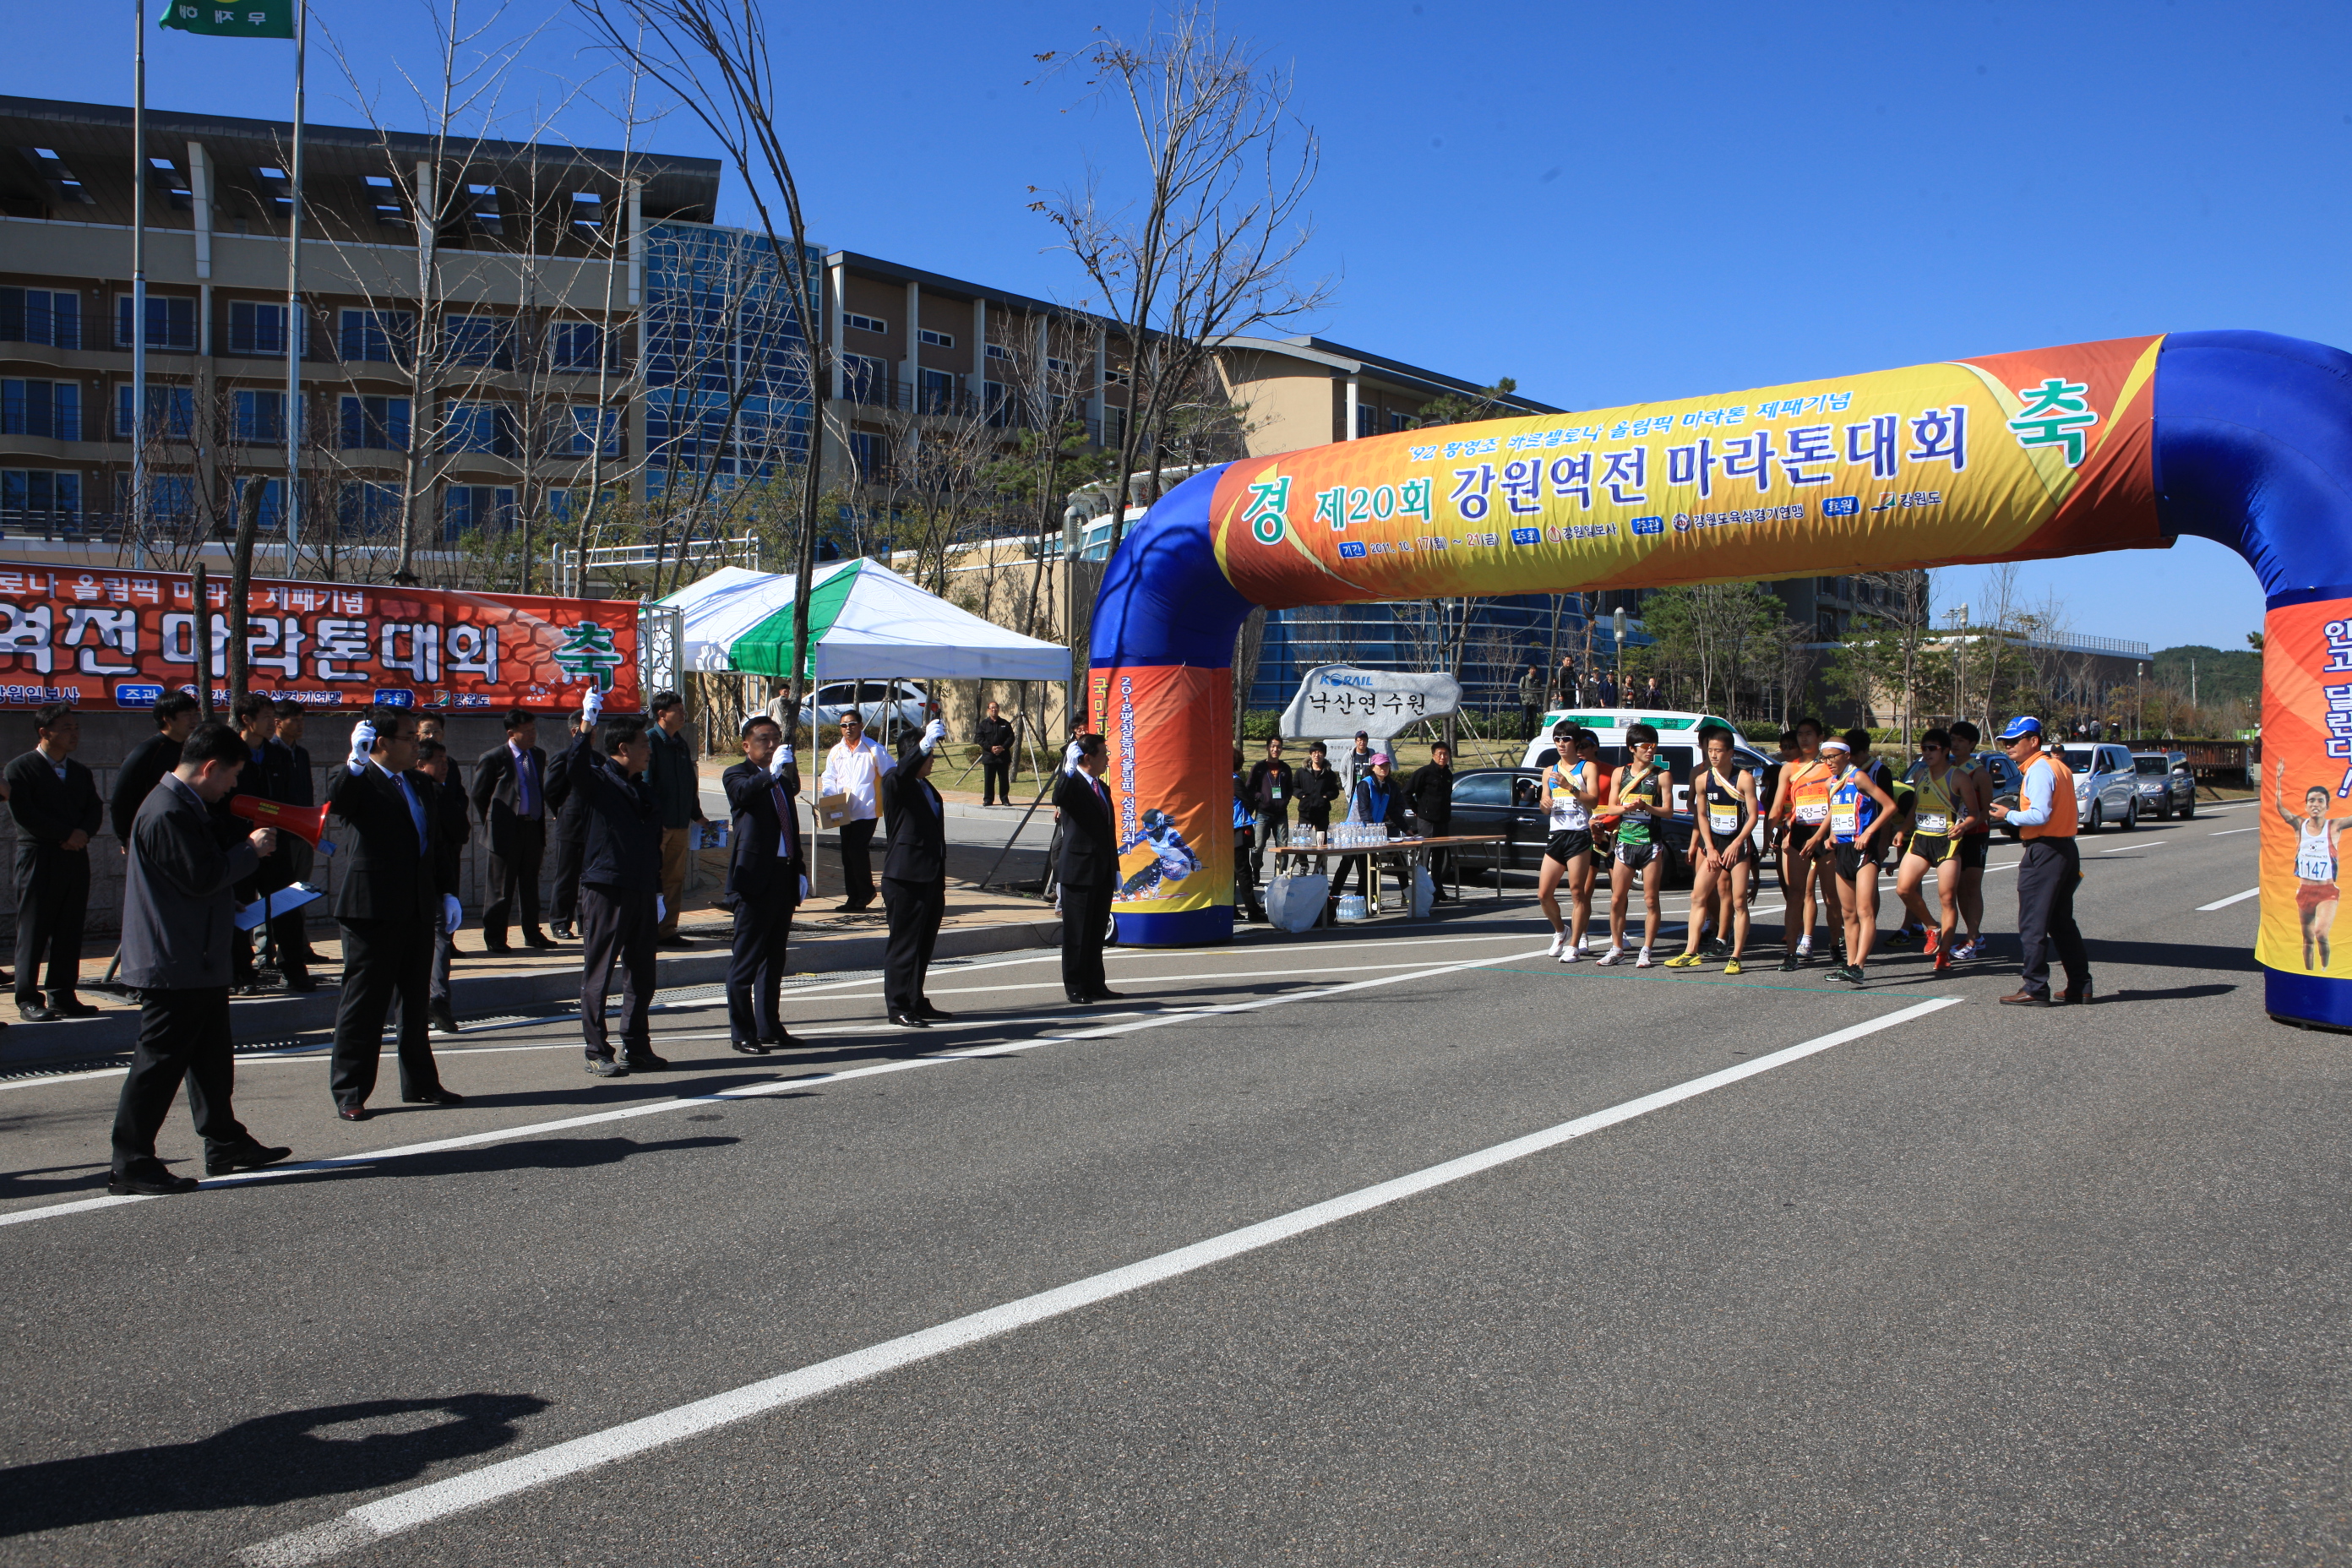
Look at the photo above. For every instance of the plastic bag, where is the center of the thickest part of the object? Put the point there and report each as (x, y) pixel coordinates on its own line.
(1296, 903)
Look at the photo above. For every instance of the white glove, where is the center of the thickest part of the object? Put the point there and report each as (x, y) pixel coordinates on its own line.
(933, 734)
(1071, 755)
(452, 915)
(363, 742)
(593, 704)
(805, 889)
(784, 754)
(661, 910)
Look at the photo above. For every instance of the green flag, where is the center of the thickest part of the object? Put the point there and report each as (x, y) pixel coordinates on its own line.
(242, 19)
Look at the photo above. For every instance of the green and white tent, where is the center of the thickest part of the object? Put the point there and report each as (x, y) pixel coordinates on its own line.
(866, 622)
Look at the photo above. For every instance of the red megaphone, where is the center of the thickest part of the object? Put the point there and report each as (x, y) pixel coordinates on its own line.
(307, 822)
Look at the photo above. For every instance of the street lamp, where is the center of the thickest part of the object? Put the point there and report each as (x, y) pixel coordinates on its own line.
(1618, 623)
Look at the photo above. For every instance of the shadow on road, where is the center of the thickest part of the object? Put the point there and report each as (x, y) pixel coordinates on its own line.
(261, 1463)
(525, 1153)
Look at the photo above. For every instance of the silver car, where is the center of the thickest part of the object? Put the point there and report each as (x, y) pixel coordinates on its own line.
(911, 710)
(2167, 787)
(2106, 784)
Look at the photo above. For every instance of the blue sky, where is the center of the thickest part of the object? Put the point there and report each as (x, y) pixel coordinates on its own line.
(1609, 203)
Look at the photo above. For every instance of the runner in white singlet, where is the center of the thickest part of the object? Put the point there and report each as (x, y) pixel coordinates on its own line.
(2315, 857)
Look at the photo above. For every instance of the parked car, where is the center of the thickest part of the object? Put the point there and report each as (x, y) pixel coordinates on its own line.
(874, 701)
(2167, 787)
(2106, 786)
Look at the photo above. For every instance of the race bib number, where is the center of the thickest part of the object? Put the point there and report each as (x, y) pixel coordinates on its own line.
(1811, 812)
(1844, 820)
(1934, 824)
(1722, 819)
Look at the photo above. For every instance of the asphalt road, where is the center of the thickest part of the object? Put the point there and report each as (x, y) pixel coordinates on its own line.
(1401, 1245)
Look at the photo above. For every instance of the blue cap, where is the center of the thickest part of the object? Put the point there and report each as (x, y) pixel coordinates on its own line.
(2024, 724)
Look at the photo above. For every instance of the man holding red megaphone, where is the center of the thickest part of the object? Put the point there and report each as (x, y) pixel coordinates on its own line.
(307, 823)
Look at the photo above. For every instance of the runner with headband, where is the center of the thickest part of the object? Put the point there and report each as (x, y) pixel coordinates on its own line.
(1860, 816)
(1638, 790)
(1939, 817)
(1976, 783)
(1571, 791)
(1802, 808)
(1726, 797)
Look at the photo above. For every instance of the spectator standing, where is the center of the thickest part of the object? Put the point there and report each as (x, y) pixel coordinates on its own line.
(1607, 690)
(143, 769)
(620, 873)
(2046, 819)
(1272, 785)
(448, 804)
(1653, 695)
(1569, 690)
(995, 738)
(256, 718)
(55, 802)
(678, 797)
(1087, 869)
(569, 820)
(1377, 801)
(297, 784)
(432, 727)
(854, 769)
(510, 795)
(1359, 762)
(1245, 899)
(177, 913)
(767, 876)
(1531, 695)
(1430, 792)
(1318, 786)
(914, 877)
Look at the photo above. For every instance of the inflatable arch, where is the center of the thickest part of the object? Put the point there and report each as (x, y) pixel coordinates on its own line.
(2244, 437)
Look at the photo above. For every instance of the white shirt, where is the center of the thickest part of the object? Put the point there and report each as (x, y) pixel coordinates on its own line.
(856, 772)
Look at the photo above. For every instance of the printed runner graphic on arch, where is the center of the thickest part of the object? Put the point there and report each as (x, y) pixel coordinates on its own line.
(1174, 855)
(1993, 458)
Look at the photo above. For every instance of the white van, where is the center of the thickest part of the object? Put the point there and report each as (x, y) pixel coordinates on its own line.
(1677, 743)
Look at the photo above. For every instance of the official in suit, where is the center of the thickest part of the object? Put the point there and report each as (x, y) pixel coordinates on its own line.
(55, 802)
(569, 841)
(767, 877)
(511, 797)
(143, 769)
(391, 897)
(269, 773)
(178, 910)
(914, 877)
(434, 761)
(290, 772)
(1088, 868)
(620, 875)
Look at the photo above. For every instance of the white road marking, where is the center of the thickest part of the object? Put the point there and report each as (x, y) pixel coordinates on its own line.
(2150, 844)
(374, 1522)
(2227, 831)
(2232, 898)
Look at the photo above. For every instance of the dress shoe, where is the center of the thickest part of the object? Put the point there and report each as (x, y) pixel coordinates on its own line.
(441, 1021)
(562, 932)
(1075, 1000)
(434, 1097)
(935, 1014)
(909, 1021)
(2024, 999)
(71, 1007)
(605, 1067)
(644, 1061)
(148, 1184)
(296, 981)
(673, 939)
(537, 939)
(34, 1013)
(749, 1047)
(854, 908)
(500, 948)
(2080, 996)
(783, 1040)
(251, 1157)
(1109, 996)
(353, 1113)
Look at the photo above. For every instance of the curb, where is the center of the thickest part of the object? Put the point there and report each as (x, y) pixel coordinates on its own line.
(275, 1017)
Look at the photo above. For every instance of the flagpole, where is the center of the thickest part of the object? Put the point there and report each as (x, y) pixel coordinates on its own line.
(139, 286)
(295, 320)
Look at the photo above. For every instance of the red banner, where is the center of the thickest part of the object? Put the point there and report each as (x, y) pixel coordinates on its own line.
(119, 640)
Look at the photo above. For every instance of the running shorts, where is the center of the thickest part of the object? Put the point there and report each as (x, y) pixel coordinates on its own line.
(1737, 847)
(1933, 847)
(1567, 844)
(1800, 841)
(1973, 847)
(1636, 856)
(2311, 895)
(1851, 860)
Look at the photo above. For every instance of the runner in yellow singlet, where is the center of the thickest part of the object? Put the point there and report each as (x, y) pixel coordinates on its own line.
(1940, 817)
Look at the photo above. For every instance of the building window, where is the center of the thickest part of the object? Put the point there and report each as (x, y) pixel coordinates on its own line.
(471, 426)
(255, 328)
(378, 337)
(935, 392)
(1399, 420)
(574, 346)
(1114, 377)
(998, 351)
(937, 340)
(996, 402)
(864, 323)
(1057, 366)
(48, 408)
(261, 416)
(171, 413)
(374, 424)
(485, 341)
(576, 432)
(270, 519)
(864, 380)
(1114, 424)
(171, 323)
(476, 509)
(171, 498)
(39, 494)
(869, 453)
(364, 510)
(1367, 420)
(41, 316)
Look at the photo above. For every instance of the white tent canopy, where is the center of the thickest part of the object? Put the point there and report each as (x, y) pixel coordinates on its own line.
(867, 623)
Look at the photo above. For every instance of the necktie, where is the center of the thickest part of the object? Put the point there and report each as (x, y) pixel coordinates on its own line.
(526, 792)
(783, 821)
(416, 813)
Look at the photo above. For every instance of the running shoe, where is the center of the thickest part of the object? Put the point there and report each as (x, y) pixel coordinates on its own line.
(1682, 961)
(1714, 947)
(1794, 960)
(1932, 940)
(1644, 961)
(1968, 950)
(1733, 967)
(1572, 953)
(1612, 956)
(1849, 972)
(1944, 962)
(1559, 944)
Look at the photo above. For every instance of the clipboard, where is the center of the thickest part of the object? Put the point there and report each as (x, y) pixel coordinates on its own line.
(283, 902)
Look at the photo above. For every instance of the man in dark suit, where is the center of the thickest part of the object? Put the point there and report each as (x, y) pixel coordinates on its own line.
(620, 876)
(55, 802)
(914, 877)
(290, 773)
(177, 913)
(511, 797)
(996, 739)
(1088, 870)
(434, 761)
(569, 840)
(767, 877)
(143, 769)
(272, 773)
(391, 898)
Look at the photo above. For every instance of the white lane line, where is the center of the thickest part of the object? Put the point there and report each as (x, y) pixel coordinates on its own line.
(2151, 844)
(2227, 831)
(371, 1522)
(2232, 898)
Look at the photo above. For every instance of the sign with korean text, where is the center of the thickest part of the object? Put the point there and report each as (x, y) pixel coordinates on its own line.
(1999, 459)
(1336, 700)
(2306, 782)
(119, 639)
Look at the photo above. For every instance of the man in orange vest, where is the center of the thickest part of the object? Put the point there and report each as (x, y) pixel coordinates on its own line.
(2044, 817)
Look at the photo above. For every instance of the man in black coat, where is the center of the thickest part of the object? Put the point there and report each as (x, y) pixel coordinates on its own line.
(509, 794)
(143, 769)
(291, 774)
(569, 839)
(1430, 792)
(995, 737)
(1272, 787)
(434, 761)
(55, 802)
(1319, 785)
(620, 878)
(767, 877)
(914, 877)
(391, 897)
(1088, 870)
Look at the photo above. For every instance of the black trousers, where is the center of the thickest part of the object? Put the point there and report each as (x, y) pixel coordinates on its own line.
(514, 876)
(617, 930)
(857, 863)
(383, 960)
(755, 970)
(563, 899)
(181, 1033)
(1528, 717)
(2046, 879)
(996, 779)
(1086, 919)
(915, 910)
(52, 896)
(1245, 899)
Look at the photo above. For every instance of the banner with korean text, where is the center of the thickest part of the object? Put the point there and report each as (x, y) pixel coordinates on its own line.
(119, 639)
